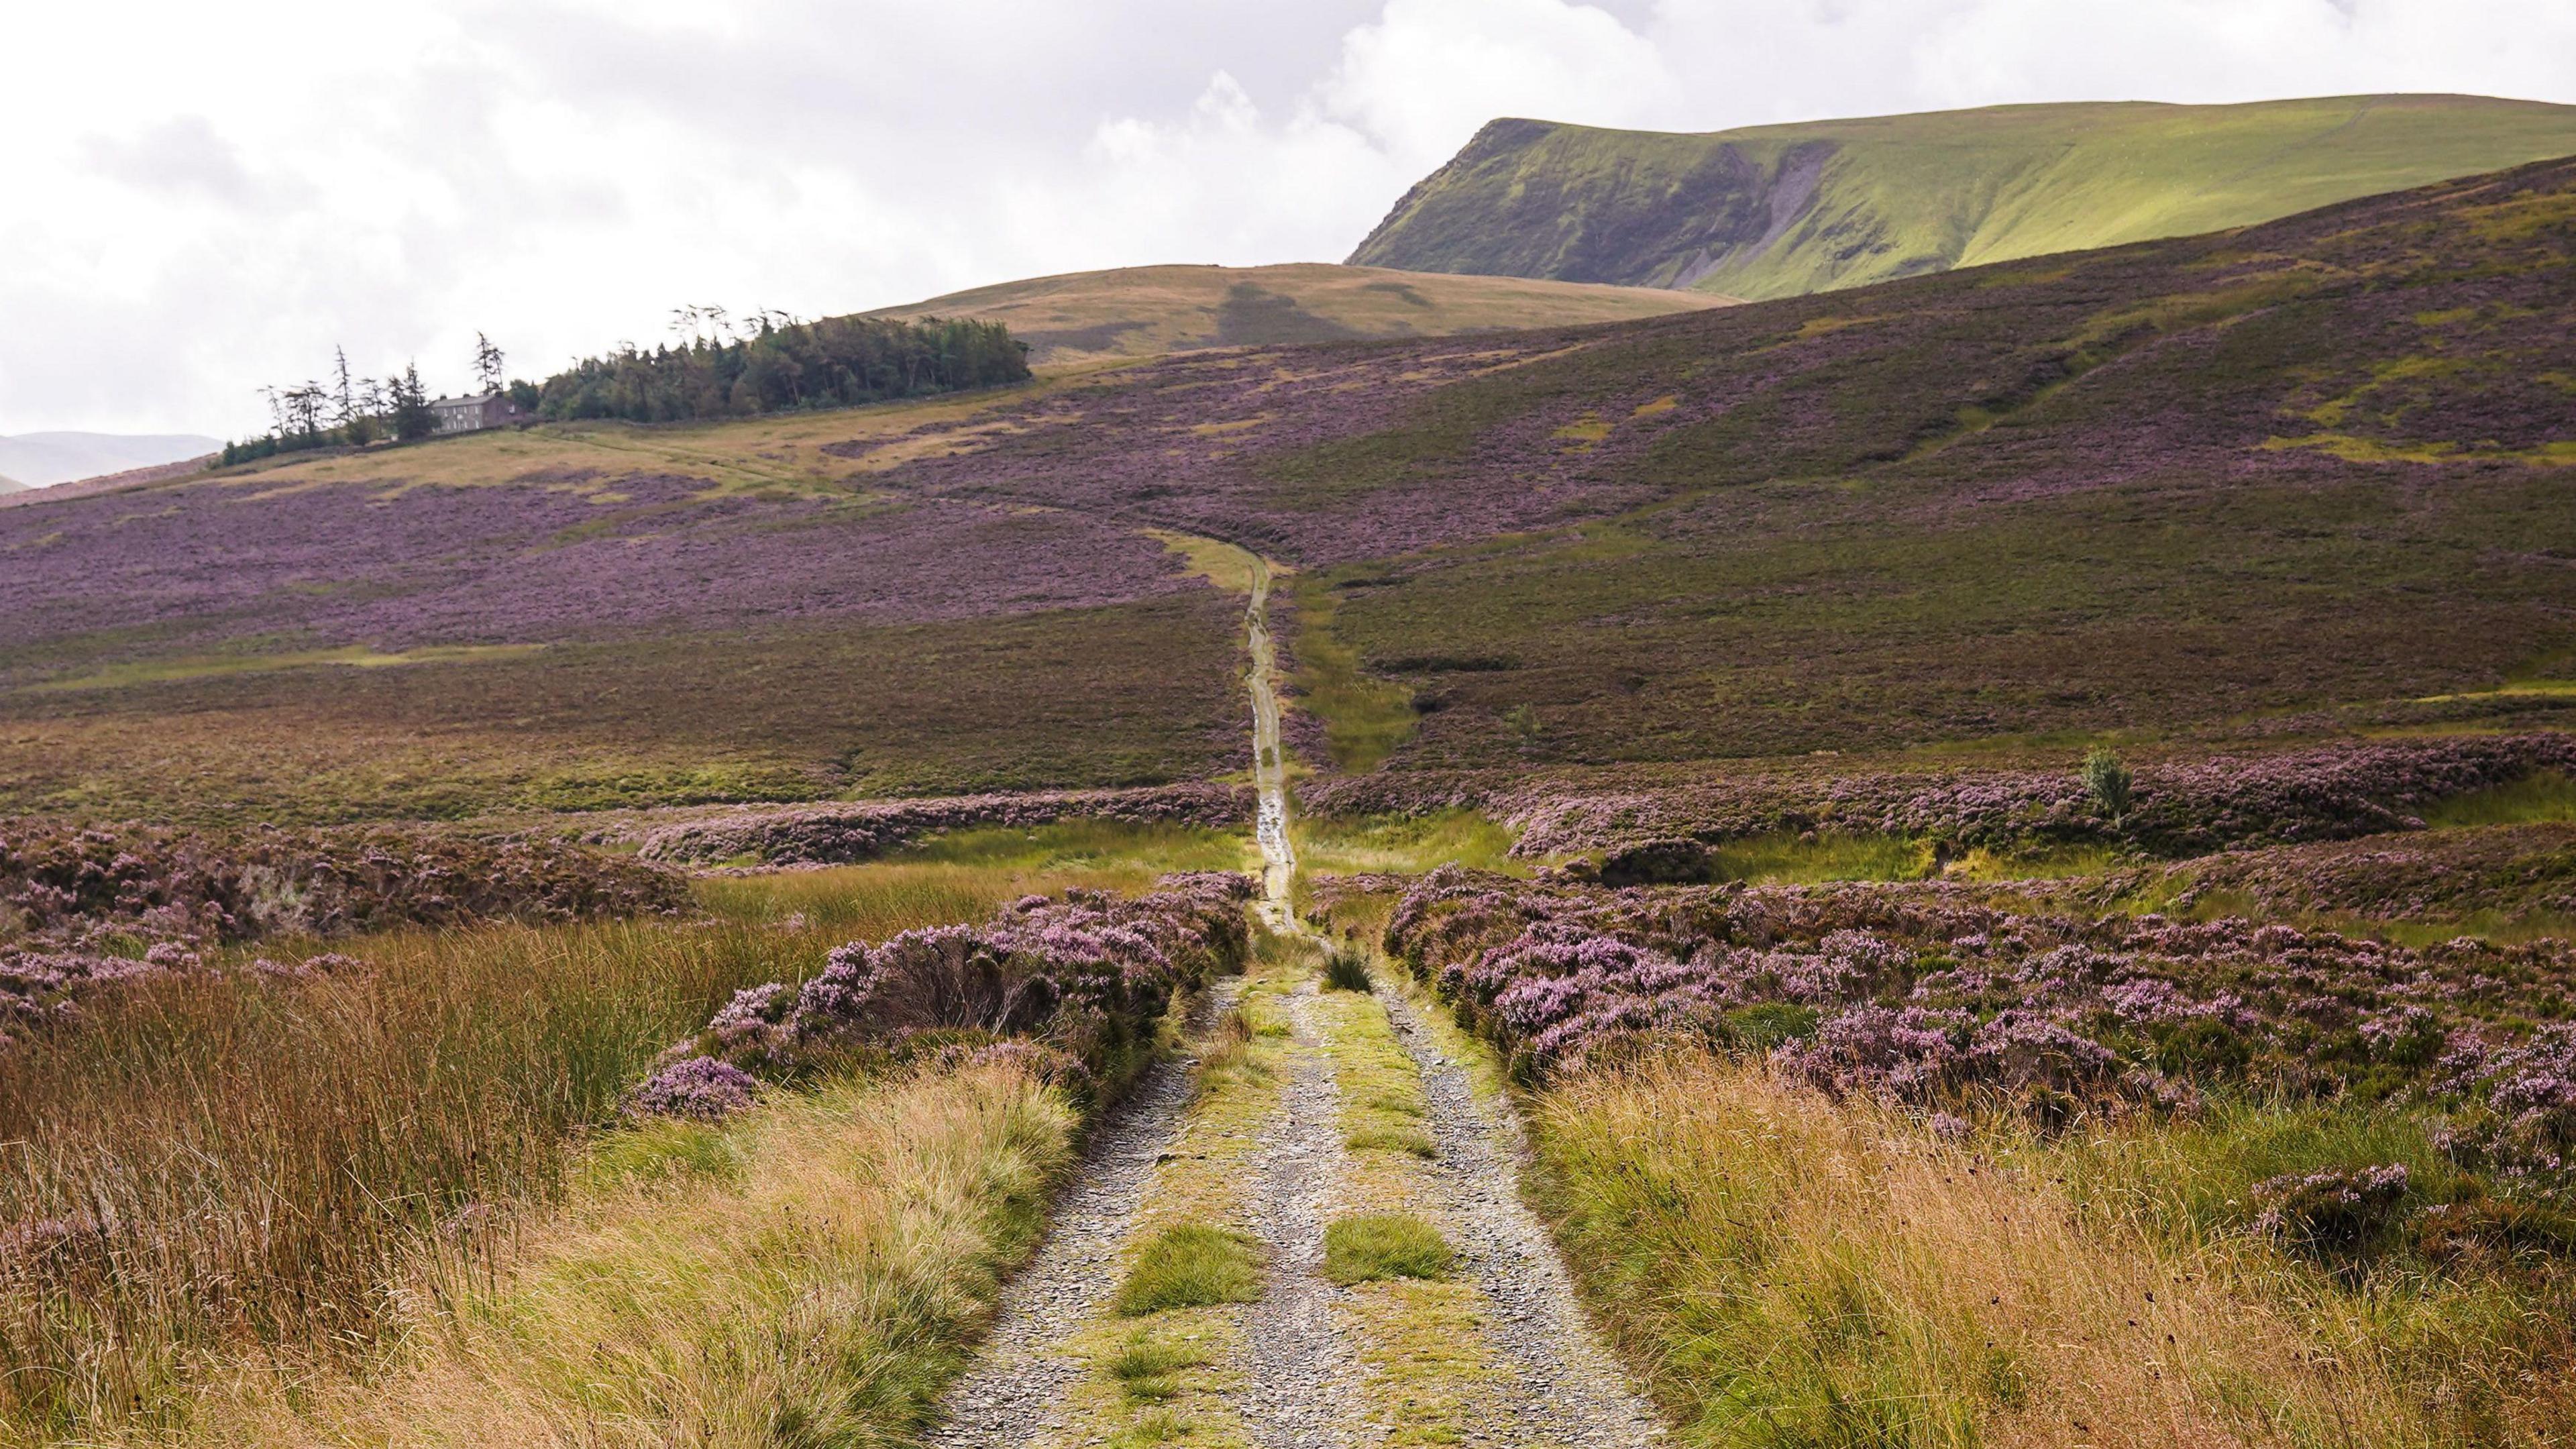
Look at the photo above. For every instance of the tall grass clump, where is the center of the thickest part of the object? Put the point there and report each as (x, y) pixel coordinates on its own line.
(219, 1162)
(819, 1290)
(1795, 1270)
(1346, 969)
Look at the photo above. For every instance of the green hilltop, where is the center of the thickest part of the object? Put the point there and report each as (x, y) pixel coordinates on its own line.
(1777, 211)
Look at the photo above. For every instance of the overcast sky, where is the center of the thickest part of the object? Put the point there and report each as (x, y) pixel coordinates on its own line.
(198, 198)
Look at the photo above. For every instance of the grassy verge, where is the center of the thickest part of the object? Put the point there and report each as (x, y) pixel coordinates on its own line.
(207, 1169)
(1789, 1271)
(810, 1275)
(243, 1163)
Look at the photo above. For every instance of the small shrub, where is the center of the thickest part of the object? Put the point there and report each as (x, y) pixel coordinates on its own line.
(2108, 781)
(699, 1089)
(1347, 971)
(1190, 1266)
(2480, 1229)
(1370, 1246)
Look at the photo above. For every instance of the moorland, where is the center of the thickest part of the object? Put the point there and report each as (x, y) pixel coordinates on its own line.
(2002, 840)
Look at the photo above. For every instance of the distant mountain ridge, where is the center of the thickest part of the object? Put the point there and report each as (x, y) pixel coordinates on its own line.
(12, 485)
(38, 460)
(1775, 211)
(1146, 311)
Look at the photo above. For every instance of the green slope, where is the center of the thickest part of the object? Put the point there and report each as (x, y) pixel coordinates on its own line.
(1144, 311)
(1775, 211)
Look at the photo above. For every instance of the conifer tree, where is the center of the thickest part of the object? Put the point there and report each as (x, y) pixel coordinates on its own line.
(412, 417)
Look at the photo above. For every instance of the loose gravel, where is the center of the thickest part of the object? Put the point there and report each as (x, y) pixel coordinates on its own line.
(1560, 1382)
(1303, 1377)
(1015, 1393)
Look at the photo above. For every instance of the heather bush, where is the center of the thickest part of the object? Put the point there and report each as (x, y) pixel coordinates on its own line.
(697, 1088)
(843, 833)
(1932, 995)
(1647, 819)
(137, 885)
(1074, 983)
(2335, 1210)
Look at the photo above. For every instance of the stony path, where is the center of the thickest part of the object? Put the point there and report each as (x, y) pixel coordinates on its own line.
(1017, 1387)
(1563, 1385)
(1496, 1353)
(1303, 1380)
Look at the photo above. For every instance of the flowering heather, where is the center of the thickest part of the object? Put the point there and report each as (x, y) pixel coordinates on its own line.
(2179, 807)
(75, 886)
(1465, 437)
(846, 832)
(2337, 1209)
(698, 1088)
(1070, 986)
(1931, 994)
(537, 561)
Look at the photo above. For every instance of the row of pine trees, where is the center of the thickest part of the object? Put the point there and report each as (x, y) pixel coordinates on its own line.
(777, 364)
(782, 364)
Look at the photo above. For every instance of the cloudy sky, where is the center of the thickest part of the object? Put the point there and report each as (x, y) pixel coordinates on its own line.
(196, 199)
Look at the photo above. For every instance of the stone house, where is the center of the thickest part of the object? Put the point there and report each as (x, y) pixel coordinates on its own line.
(473, 414)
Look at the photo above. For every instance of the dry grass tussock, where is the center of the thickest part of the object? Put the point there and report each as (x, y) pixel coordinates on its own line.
(808, 1276)
(1797, 1272)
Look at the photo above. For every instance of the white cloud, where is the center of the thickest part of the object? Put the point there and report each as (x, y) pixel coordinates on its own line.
(204, 198)
(1427, 73)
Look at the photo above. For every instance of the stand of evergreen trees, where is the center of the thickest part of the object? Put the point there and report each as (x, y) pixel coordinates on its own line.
(350, 412)
(778, 365)
(784, 366)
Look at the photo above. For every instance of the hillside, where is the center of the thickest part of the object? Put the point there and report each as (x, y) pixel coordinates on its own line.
(1774, 211)
(1143, 311)
(12, 485)
(42, 459)
(2303, 479)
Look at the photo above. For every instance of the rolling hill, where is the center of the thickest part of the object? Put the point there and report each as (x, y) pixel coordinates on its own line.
(12, 485)
(1774, 211)
(2303, 480)
(1144, 311)
(39, 460)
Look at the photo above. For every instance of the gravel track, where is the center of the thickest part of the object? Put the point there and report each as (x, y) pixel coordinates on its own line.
(1303, 1376)
(1560, 1383)
(1015, 1391)
(1303, 1386)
